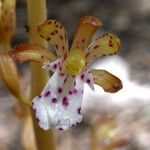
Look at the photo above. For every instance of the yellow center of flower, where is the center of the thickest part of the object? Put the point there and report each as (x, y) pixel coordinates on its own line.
(75, 62)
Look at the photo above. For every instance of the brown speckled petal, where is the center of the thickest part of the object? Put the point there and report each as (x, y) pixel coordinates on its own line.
(84, 32)
(32, 52)
(54, 32)
(108, 44)
(106, 80)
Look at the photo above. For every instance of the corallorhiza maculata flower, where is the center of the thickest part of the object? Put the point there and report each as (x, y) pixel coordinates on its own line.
(59, 104)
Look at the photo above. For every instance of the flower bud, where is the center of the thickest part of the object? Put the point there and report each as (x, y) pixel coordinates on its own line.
(7, 19)
(9, 75)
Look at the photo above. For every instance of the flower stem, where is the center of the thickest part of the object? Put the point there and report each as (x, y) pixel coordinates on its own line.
(37, 14)
(6, 46)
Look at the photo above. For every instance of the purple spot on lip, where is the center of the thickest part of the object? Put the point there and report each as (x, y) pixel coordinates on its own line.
(59, 90)
(39, 96)
(70, 92)
(62, 74)
(79, 110)
(75, 91)
(60, 68)
(82, 76)
(54, 100)
(88, 80)
(34, 110)
(37, 119)
(65, 80)
(61, 129)
(65, 101)
(47, 93)
(55, 66)
(77, 122)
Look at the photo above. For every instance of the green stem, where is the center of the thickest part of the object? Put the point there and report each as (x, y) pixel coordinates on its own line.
(37, 14)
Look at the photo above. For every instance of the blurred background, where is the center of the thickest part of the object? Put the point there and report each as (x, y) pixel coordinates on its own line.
(121, 116)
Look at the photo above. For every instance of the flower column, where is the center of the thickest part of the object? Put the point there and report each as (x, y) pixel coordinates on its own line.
(37, 14)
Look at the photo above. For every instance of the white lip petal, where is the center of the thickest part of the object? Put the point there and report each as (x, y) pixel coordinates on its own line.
(87, 78)
(59, 105)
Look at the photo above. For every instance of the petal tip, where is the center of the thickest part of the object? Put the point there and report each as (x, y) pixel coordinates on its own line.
(116, 38)
(91, 20)
(118, 86)
(115, 88)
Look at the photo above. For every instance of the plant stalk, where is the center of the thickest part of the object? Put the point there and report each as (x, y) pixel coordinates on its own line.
(6, 46)
(37, 13)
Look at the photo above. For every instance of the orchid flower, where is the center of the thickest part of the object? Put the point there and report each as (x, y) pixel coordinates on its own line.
(59, 104)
